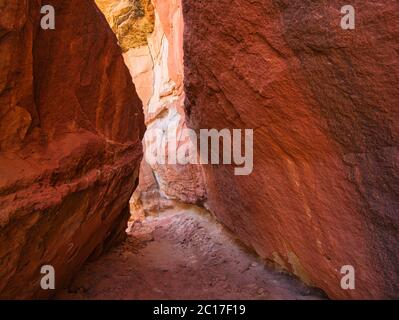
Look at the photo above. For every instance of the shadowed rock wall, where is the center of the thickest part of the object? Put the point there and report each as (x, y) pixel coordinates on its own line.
(71, 126)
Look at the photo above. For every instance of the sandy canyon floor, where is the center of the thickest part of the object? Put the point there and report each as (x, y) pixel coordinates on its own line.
(182, 254)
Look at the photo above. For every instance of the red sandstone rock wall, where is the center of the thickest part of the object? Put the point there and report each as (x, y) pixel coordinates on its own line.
(71, 126)
(324, 104)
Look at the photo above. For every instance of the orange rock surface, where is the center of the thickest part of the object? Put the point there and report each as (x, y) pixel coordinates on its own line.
(71, 126)
(324, 104)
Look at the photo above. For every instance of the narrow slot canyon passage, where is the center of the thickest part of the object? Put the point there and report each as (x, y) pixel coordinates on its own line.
(199, 149)
(174, 248)
(183, 254)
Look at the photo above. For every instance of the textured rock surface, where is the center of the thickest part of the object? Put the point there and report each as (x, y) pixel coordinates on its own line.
(131, 20)
(147, 199)
(324, 105)
(166, 107)
(70, 131)
(157, 71)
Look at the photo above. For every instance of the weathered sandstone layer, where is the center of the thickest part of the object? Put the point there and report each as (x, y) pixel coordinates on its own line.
(71, 126)
(323, 102)
(131, 20)
(156, 66)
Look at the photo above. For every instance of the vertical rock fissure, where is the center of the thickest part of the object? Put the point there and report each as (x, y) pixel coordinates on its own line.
(156, 66)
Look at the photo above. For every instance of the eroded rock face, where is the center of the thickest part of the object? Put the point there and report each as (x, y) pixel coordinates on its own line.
(131, 20)
(156, 67)
(324, 105)
(71, 126)
(165, 110)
